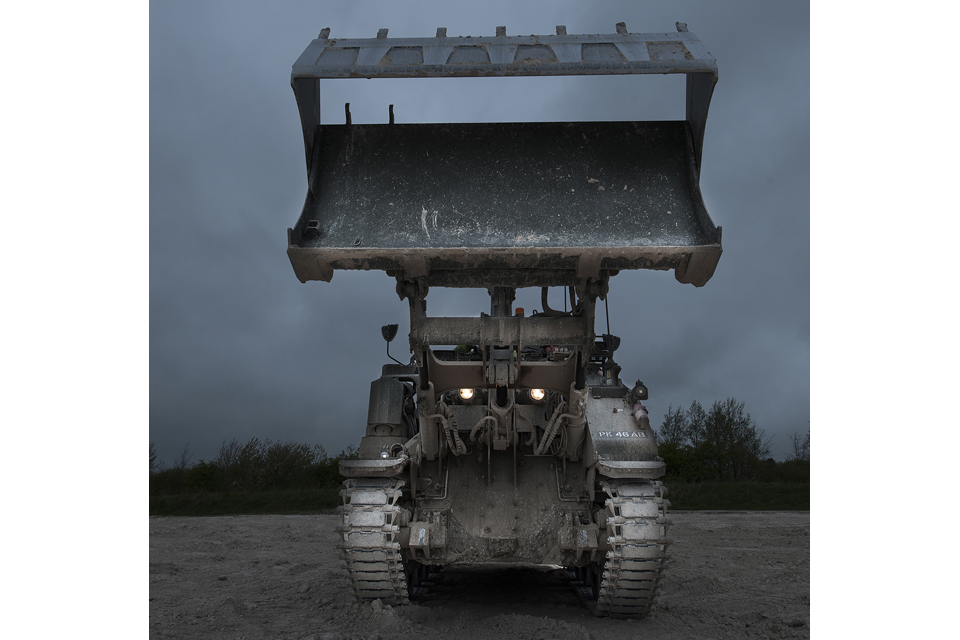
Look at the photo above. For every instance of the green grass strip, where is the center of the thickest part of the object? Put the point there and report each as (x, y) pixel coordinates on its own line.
(738, 496)
(250, 503)
(683, 496)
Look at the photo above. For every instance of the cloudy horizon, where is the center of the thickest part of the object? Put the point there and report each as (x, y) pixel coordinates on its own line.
(240, 349)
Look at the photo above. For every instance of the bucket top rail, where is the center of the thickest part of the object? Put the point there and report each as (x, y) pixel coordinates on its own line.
(562, 54)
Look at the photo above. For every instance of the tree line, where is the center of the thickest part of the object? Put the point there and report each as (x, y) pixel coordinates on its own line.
(724, 444)
(258, 465)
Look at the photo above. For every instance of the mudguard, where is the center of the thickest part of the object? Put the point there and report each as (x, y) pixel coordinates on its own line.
(376, 468)
(617, 446)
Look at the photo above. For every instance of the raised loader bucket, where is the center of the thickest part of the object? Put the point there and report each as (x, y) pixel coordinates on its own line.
(505, 204)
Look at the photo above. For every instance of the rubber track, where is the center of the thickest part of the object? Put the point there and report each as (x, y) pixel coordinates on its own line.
(369, 539)
(637, 532)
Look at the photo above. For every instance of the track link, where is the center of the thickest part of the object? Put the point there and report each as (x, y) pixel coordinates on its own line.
(369, 530)
(637, 532)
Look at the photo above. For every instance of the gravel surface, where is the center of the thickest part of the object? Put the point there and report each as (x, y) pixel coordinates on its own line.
(732, 575)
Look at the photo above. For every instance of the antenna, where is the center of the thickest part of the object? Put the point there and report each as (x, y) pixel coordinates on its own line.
(606, 304)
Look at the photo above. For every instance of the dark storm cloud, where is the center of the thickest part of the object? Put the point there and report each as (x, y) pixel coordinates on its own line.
(239, 348)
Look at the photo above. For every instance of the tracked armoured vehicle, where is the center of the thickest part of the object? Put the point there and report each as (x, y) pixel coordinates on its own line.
(509, 439)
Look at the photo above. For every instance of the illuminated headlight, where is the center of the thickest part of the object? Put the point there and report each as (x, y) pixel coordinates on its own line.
(466, 394)
(537, 394)
(384, 454)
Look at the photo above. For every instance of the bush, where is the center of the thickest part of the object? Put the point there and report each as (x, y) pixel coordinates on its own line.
(252, 467)
(788, 471)
(723, 445)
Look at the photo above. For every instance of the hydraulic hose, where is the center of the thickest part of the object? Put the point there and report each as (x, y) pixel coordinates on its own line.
(550, 431)
(452, 430)
(476, 427)
(545, 444)
(446, 430)
(449, 423)
(532, 440)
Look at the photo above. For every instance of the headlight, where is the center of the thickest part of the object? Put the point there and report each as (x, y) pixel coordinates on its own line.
(466, 394)
(537, 394)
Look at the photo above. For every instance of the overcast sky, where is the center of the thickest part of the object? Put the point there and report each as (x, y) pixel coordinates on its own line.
(240, 348)
(237, 347)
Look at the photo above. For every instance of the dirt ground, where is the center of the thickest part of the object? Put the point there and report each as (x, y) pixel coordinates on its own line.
(731, 575)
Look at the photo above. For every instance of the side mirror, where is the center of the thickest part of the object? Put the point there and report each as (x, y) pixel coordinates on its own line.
(389, 332)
